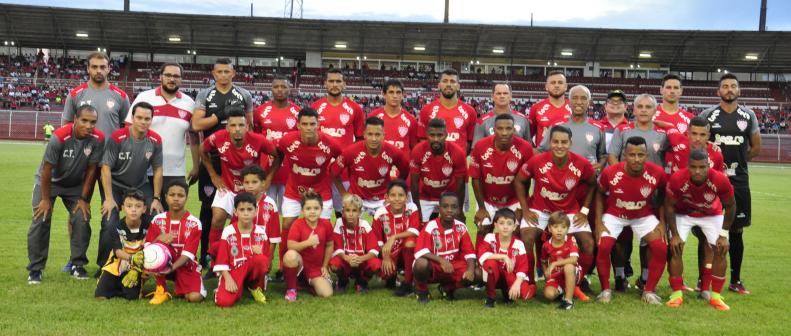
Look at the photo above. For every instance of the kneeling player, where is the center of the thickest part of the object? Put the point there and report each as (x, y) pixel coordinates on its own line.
(444, 253)
(696, 196)
(504, 260)
(397, 224)
(559, 259)
(180, 232)
(310, 247)
(119, 278)
(242, 255)
(356, 249)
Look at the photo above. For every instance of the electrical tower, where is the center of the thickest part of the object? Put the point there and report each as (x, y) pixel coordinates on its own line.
(291, 7)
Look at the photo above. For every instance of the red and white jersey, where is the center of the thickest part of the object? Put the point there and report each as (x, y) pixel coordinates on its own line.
(308, 166)
(699, 200)
(437, 173)
(515, 250)
(629, 197)
(400, 131)
(344, 123)
(235, 247)
(267, 217)
(550, 254)
(312, 257)
(358, 241)
(449, 244)
(496, 170)
(387, 224)
(678, 156)
(543, 115)
(679, 120)
(460, 122)
(274, 123)
(185, 231)
(555, 186)
(254, 149)
(369, 175)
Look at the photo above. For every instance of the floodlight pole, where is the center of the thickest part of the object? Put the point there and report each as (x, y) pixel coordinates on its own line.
(762, 23)
(126, 5)
(447, 10)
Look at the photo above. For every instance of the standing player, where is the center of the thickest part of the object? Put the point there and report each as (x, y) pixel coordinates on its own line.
(400, 126)
(501, 96)
(274, 119)
(368, 165)
(669, 114)
(210, 116)
(237, 148)
(460, 118)
(340, 118)
(397, 224)
(444, 253)
(615, 109)
(436, 166)
(504, 260)
(47, 128)
(552, 110)
(696, 196)
(68, 170)
(171, 120)
(129, 153)
(557, 174)
(626, 190)
(495, 162)
(735, 129)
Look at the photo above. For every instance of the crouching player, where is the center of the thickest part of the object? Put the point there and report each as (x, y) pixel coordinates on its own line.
(504, 260)
(310, 247)
(559, 260)
(696, 196)
(396, 225)
(356, 248)
(242, 255)
(119, 277)
(444, 253)
(180, 232)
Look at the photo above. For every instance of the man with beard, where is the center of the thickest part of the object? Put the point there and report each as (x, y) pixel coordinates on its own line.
(171, 120)
(501, 96)
(209, 116)
(552, 110)
(735, 129)
(460, 118)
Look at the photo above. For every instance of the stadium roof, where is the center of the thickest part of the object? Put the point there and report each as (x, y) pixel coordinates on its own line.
(743, 51)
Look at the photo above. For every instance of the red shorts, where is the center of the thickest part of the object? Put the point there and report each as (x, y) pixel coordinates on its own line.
(558, 278)
(454, 278)
(187, 279)
(369, 266)
(251, 274)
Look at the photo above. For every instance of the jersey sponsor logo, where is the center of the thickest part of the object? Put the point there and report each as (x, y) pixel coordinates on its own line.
(458, 122)
(744, 114)
(383, 170)
(222, 149)
(305, 171)
(334, 132)
(453, 136)
(370, 184)
(344, 118)
(742, 125)
(645, 191)
(547, 166)
(574, 170)
(570, 183)
(87, 151)
(728, 140)
(320, 159)
(511, 165)
(649, 178)
(709, 197)
(348, 109)
(487, 154)
(629, 205)
(447, 170)
(398, 144)
(490, 179)
(359, 169)
(589, 137)
(434, 183)
(551, 195)
(360, 156)
(618, 191)
(617, 178)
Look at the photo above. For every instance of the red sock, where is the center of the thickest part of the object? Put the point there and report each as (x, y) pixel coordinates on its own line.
(531, 268)
(717, 283)
(603, 261)
(705, 280)
(214, 237)
(290, 275)
(656, 265)
(676, 283)
(283, 247)
(421, 286)
(409, 258)
(586, 262)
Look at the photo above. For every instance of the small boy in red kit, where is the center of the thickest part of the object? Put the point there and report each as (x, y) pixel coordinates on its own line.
(242, 255)
(504, 260)
(559, 259)
(356, 248)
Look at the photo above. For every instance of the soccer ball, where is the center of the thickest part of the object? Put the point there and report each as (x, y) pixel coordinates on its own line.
(156, 258)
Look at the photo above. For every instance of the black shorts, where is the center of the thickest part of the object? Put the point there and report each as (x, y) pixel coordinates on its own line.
(110, 286)
(206, 188)
(743, 207)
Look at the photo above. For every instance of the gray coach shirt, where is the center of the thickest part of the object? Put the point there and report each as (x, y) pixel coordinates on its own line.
(70, 156)
(587, 140)
(656, 142)
(111, 106)
(485, 126)
(129, 158)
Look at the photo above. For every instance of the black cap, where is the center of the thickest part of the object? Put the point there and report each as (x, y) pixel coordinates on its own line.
(617, 93)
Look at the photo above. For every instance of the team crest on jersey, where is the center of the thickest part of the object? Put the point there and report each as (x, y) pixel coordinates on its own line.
(447, 170)
(458, 122)
(460, 228)
(742, 125)
(87, 151)
(403, 131)
(657, 146)
(589, 137)
(182, 114)
(234, 250)
(320, 160)
(383, 170)
(570, 183)
(110, 104)
(386, 228)
(148, 155)
(291, 122)
(208, 190)
(266, 216)
(682, 127)
(511, 164)
(645, 191)
(708, 197)
(344, 118)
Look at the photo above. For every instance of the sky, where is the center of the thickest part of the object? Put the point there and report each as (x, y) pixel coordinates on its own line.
(629, 14)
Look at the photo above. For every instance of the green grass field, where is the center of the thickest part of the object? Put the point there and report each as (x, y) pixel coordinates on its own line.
(61, 305)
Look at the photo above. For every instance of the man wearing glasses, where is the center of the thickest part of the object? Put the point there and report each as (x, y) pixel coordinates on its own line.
(615, 117)
(171, 120)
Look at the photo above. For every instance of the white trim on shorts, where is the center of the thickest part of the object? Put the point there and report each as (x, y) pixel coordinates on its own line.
(293, 208)
(640, 226)
(427, 205)
(543, 220)
(337, 201)
(491, 209)
(710, 225)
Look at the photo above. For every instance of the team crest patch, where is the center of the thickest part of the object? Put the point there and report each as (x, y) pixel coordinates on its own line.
(589, 137)
(320, 160)
(208, 190)
(511, 164)
(291, 122)
(459, 228)
(708, 197)
(383, 170)
(87, 151)
(742, 125)
(447, 170)
(182, 114)
(403, 131)
(386, 228)
(570, 183)
(458, 122)
(344, 118)
(645, 191)
(248, 162)
(657, 146)
(110, 104)
(682, 127)
(148, 155)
